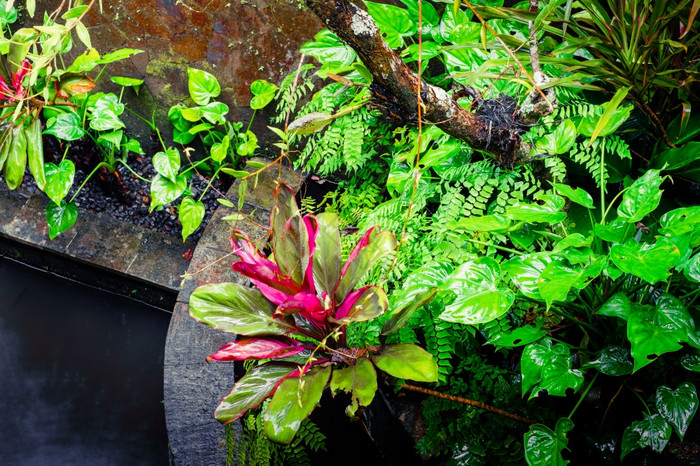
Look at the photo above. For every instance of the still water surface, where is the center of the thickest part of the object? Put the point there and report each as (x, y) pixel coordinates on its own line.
(81, 374)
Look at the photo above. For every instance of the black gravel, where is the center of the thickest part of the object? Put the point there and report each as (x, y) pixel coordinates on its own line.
(123, 195)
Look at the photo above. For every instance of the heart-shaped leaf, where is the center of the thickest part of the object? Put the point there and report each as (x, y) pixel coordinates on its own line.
(525, 271)
(478, 296)
(548, 367)
(293, 401)
(191, 213)
(167, 163)
(252, 389)
(164, 190)
(60, 217)
(678, 406)
(642, 197)
(650, 262)
(263, 93)
(237, 309)
(59, 179)
(652, 432)
(203, 86)
(613, 360)
(547, 212)
(577, 195)
(407, 361)
(66, 126)
(543, 446)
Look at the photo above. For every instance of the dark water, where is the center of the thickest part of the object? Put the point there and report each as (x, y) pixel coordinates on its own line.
(81, 374)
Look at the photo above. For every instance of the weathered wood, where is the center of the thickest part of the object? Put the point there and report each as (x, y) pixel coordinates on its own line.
(357, 29)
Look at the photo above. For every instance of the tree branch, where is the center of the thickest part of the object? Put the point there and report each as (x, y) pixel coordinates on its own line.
(499, 136)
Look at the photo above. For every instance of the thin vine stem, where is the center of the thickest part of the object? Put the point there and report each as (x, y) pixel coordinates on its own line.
(583, 395)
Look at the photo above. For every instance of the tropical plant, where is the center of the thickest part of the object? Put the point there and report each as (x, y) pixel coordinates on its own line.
(298, 316)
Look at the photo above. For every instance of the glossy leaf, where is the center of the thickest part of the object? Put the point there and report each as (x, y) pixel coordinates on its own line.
(293, 401)
(407, 361)
(619, 305)
(680, 221)
(642, 197)
(653, 332)
(617, 231)
(517, 337)
(328, 48)
(359, 380)
(16, 161)
(164, 190)
(564, 137)
(263, 93)
(361, 305)
(60, 217)
(236, 309)
(35, 152)
(258, 348)
(326, 259)
(293, 252)
(420, 288)
(613, 360)
(105, 113)
(577, 195)
(543, 447)
(393, 22)
(167, 163)
(191, 213)
(65, 126)
(284, 208)
(252, 389)
(673, 159)
(368, 251)
(691, 362)
(610, 115)
(650, 262)
(493, 222)
(479, 296)
(547, 212)
(215, 112)
(654, 431)
(219, 150)
(59, 179)
(678, 406)
(525, 271)
(203, 86)
(548, 367)
(558, 278)
(692, 269)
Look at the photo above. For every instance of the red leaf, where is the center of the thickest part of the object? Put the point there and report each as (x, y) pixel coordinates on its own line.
(258, 348)
(306, 304)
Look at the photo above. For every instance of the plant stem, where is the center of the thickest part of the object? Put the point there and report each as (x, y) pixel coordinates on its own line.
(99, 165)
(134, 173)
(583, 395)
(250, 123)
(466, 401)
(211, 180)
(646, 407)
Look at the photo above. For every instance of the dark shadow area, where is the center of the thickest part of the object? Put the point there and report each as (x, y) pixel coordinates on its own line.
(81, 374)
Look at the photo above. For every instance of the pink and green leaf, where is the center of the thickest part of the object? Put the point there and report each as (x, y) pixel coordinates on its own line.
(363, 304)
(252, 389)
(258, 348)
(326, 258)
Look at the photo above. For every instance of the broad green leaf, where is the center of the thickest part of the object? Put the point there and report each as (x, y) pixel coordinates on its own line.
(219, 150)
(236, 309)
(494, 222)
(548, 367)
(60, 217)
(85, 62)
(613, 360)
(203, 86)
(654, 431)
(561, 140)
(118, 55)
(252, 389)
(360, 381)
(250, 143)
(65, 126)
(191, 214)
(328, 48)
(662, 329)
(692, 269)
(105, 113)
(641, 198)
(326, 258)
(678, 406)
(125, 81)
(110, 139)
(574, 240)
(548, 212)
(617, 231)
(650, 262)
(577, 195)
(293, 252)
(293, 401)
(680, 221)
(543, 446)
(419, 289)
(619, 305)
(525, 271)
(59, 179)
(378, 245)
(393, 22)
(520, 336)
(407, 361)
(479, 298)
(263, 93)
(558, 278)
(589, 124)
(16, 161)
(164, 190)
(215, 112)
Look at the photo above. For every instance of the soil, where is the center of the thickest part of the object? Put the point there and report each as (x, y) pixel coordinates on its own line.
(124, 196)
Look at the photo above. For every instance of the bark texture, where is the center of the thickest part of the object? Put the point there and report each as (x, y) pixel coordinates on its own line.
(499, 136)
